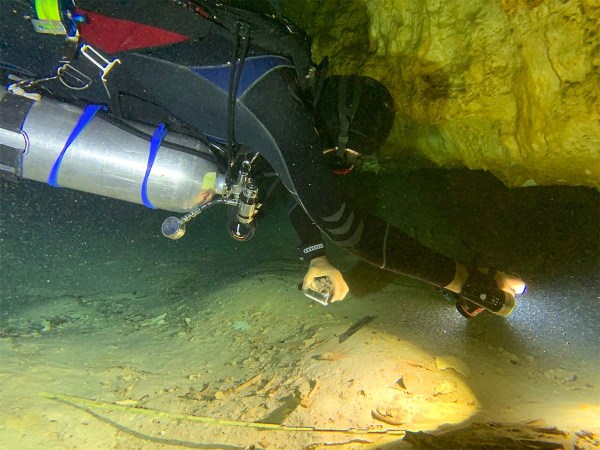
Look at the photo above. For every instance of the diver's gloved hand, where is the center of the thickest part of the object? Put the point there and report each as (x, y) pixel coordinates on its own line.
(508, 283)
(483, 288)
(321, 267)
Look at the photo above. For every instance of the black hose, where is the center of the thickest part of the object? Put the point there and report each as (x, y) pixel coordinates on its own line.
(242, 33)
(148, 137)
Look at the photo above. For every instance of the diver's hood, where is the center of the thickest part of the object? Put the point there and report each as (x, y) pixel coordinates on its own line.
(354, 112)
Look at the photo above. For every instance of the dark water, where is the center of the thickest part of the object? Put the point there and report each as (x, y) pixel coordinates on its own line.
(59, 242)
(62, 242)
(550, 236)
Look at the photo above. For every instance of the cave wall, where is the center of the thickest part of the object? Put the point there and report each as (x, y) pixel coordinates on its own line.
(509, 86)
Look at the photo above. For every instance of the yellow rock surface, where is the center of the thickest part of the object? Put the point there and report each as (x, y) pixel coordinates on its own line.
(509, 86)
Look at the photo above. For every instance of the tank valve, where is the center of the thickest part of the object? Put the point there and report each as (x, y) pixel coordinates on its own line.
(243, 195)
(240, 224)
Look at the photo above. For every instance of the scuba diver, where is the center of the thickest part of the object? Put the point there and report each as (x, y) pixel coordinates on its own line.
(178, 104)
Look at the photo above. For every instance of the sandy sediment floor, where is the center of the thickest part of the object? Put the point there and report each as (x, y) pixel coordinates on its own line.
(258, 352)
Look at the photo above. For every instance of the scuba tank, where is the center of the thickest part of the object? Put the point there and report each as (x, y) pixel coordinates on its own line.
(63, 145)
(60, 144)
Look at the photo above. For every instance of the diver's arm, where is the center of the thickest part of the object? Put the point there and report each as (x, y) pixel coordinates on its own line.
(312, 250)
(311, 243)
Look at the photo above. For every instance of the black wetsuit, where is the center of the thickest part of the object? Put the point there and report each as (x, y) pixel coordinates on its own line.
(187, 82)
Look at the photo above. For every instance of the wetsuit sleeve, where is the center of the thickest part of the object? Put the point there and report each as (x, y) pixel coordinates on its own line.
(311, 243)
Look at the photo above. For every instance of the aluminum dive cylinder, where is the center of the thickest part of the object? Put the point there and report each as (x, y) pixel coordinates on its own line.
(65, 146)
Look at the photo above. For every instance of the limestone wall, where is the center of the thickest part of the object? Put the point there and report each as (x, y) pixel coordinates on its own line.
(509, 86)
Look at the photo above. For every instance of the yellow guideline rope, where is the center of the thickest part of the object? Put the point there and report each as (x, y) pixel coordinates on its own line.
(80, 401)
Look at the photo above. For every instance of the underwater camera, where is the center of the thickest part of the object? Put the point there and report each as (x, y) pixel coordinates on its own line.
(320, 290)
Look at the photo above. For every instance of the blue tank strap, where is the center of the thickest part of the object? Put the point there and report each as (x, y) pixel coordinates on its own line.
(157, 138)
(86, 116)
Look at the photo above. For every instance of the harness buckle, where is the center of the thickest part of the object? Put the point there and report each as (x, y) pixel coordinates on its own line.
(100, 62)
(73, 78)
